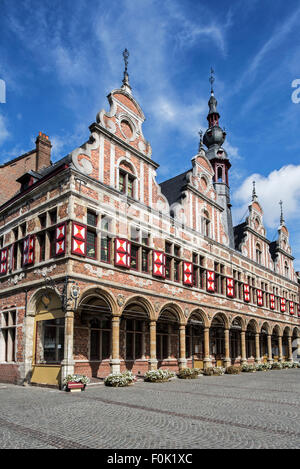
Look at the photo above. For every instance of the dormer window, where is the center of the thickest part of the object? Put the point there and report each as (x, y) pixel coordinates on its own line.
(205, 224)
(28, 179)
(126, 183)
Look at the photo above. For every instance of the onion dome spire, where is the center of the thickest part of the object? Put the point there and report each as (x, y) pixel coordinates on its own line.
(126, 86)
(214, 134)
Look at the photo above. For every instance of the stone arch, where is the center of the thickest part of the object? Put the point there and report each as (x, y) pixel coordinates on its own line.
(223, 318)
(253, 324)
(266, 326)
(276, 330)
(287, 330)
(202, 314)
(100, 293)
(174, 308)
(296, 332)
(240, 320)
(141, 300)
(38, 295)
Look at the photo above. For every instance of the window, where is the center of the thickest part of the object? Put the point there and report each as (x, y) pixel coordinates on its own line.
(205, 224)
(134, 330)
(105, 239)
(91, 241)
(9, 335)
(100, 333)
(286, 269)
(42, 244)
(219, 278)
(238, 286)
(258, 253)
(53, 216)
(173, 262)
(23, 230)
(50, 341)
(126, 183)
(91, 218)
(43, 221)
(52, 242)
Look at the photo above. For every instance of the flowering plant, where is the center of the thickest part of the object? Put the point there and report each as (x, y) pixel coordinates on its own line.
(158, 376)
(189, 373)
(214, 371)
(76, 379)
(248, 368)
(117, 380)
(263, 366)
(276, 366)
(233, 370)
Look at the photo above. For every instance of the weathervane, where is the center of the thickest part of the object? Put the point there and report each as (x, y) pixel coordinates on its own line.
(126, 55)
(254, 196)
(281, 213)
(126, 77)
(211, 79)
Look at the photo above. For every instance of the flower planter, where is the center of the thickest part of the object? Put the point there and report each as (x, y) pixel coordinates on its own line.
(73, 386)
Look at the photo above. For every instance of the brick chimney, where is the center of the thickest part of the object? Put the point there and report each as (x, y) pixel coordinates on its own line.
(43, 151)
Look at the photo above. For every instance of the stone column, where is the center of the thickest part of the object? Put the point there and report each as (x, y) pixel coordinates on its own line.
(67, 364)
(280, 348)
(290, 357)
(28, 348)
(227, 353)
(115, 353)
(257, 351)
(270, 358)
(182, 362)
(243, 347)
(153, 360)
(207, 359)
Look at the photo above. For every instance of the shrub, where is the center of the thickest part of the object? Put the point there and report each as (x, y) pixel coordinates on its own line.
(276, 366)
(296, 365)
(214, 371)
(158, 376)
(287, 365)
(189, 373)
(117, 380)
(263, 367)
(248, 368)
(233, 370)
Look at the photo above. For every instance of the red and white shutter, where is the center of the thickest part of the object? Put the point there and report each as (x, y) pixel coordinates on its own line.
(282, 305)
(246, 293)
(78, 239)
(3, 261)
(259, 297)
(60, 239)
(292, 307)
(187, 273)
(272, 301)
(230, 287)
(28, 250)
(210, 280)
(159, 264)
(122, 252)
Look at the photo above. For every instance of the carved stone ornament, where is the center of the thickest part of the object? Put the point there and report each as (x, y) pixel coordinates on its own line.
(186, 312)
(44, 271)
(120, 300)
(157, 307)
(16, 278)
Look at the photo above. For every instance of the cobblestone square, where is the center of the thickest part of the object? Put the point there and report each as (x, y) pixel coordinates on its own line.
(260, 410)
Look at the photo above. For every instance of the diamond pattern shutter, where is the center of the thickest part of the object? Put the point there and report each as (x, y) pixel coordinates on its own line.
(292, 307)
(272, 301)
(3, 261)
(246, 293)
(78, 239)
(210, 280)
(28, 250)
(60, 239)
(122, 252)
(188, 273)
(159, 264)
(230, 287)
(259, 298)
(282, 305)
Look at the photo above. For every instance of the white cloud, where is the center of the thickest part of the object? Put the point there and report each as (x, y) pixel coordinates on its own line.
(4, 133)
(282, 184)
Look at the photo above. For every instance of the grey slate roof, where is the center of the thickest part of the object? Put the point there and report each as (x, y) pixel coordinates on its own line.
(172, 188)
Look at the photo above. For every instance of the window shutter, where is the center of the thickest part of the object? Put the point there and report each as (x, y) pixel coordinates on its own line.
(292, 309)
(298, 309)
(122, 252)
(259, 298)
(28, 250)
(282, 305)
(210, 280)
(78, 239)
(230, 287)
(272, 301)
(187, 273)
(246, 293)
(3, 261)
(60, 239)
(159, 264)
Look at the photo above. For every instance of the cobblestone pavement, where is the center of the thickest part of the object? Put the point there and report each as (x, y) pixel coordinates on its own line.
(260, 410)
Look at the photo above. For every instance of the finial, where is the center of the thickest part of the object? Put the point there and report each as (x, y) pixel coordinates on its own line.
(211, 79)
(254, 196)
(281, 213)
(200, 133)
(126, 85)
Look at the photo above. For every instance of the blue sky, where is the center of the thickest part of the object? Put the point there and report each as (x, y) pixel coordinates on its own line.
(60, 59)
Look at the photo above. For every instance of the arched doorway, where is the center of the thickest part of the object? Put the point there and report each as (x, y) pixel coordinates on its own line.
(195, 341)
(250, 340)
(167, 339)
(92, 337)
(275, 343)
(235, 340)
(134, 338)
(285, 344)
(217, 340)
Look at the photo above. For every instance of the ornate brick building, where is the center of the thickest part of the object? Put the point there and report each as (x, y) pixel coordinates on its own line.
(103, 269)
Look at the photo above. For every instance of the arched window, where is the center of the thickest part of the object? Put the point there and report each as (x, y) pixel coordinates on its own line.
(286, 269)
(258, 253)
(127, 180)
(205, 224)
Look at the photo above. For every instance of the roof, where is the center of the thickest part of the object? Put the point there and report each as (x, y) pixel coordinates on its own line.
(172, 188)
